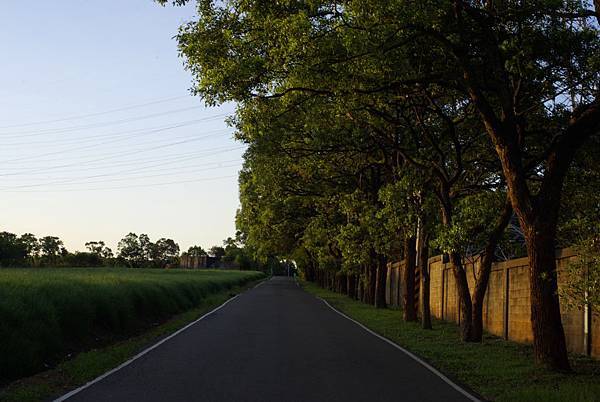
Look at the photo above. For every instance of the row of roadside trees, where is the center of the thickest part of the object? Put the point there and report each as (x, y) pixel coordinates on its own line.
(380, 130)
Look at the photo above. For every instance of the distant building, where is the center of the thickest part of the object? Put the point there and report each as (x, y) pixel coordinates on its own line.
(193, 261)
(204, 261)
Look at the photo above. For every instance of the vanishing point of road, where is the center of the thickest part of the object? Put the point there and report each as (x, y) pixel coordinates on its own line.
(273, 343)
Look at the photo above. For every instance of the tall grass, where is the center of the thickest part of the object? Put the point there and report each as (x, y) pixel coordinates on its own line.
(47, 313)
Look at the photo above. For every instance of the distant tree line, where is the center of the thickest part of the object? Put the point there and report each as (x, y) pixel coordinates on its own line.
(134, 251)
(28, 250)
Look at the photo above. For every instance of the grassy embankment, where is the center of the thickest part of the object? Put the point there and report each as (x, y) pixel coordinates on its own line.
(496, 369)
(49, 314)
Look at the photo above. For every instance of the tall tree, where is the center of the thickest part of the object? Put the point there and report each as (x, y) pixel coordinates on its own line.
(130, 250)
(12, 251)
(52, 247)
(32, 246)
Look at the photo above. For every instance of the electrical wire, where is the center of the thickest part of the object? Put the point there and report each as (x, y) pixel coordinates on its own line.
(167, 159)
(70, 129)
(127, 187)
(150, 169)
(81, 139)
(110, 157)
(120, 139)
(74, 180)
(84, 116)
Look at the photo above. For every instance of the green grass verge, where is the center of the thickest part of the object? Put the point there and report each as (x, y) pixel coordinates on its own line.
(495, 369)
(86, 366)
(47, 314)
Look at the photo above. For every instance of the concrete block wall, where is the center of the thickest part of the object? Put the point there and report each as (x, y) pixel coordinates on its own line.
(493, 304)
(507, 303)
(435, 287)
(394, 280)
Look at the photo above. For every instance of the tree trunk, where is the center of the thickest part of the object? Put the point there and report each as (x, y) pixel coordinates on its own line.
(538, 217)
(425, 282)
(460, 275)
(486, 268)
(350, 285)
(410, 311)
(362, 285)
(359, 291)
(371, 282)
(549, 345)
(466, 307)
(381, 278)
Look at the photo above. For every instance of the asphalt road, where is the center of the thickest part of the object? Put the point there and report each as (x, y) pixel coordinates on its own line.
(273, 343)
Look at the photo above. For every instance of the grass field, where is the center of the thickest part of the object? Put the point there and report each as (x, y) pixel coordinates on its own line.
(496, 369)
(84, 367)
(48, 314)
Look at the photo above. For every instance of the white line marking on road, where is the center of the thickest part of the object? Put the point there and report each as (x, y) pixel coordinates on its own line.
(143, 352)
(260, 283)
(410, 354)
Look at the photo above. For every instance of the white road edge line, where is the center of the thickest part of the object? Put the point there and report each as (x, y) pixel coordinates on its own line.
(145, 351)
(260, 283)
(410, 354)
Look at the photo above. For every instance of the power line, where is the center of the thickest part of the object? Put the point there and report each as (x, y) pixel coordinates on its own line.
(138, 177)
(107, 158)
(126, 187)
(151, 169)
(165, 159)
(102, 124)
(83, 116)
(219, 132)
(80, 139)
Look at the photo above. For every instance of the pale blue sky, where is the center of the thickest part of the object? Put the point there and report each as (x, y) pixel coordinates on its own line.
(98, 134)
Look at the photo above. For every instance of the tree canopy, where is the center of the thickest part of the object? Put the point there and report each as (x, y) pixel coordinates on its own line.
(370, 123)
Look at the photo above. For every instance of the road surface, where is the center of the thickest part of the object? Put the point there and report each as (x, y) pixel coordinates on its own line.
(273, 343)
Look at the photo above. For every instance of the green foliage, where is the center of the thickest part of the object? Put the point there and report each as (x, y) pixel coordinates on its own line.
(29, 251)
(79, 259)
(363, 234)
(196, 251)
(582, 284)
(45, 312)
(99, 248)
(12, 249)
(52, 247)
(365, 119)
(216, 251)
(580, 228)
(474, 218)
(140, 252)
